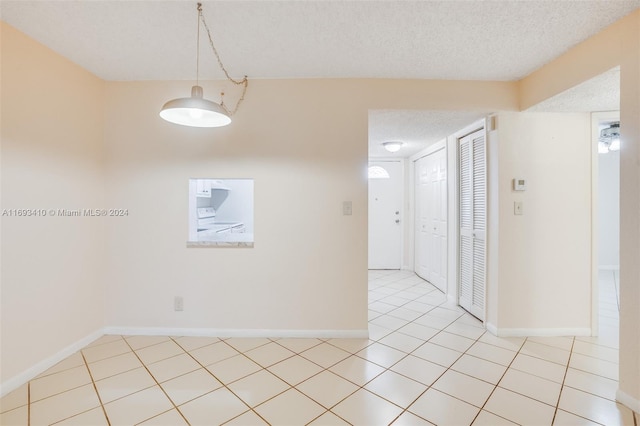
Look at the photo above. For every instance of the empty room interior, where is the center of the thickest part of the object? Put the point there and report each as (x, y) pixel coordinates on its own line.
(434, 221)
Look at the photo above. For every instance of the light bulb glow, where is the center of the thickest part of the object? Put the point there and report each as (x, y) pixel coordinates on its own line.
(195, 113)
(392, 146)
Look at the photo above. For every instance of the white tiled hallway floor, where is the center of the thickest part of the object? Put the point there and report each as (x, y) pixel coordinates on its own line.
(427, 362)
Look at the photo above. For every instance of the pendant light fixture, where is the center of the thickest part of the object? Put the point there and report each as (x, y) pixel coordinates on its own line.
(196, 111)
(609, 138)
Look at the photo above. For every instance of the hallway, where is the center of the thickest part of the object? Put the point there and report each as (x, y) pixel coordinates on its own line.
(536, 380)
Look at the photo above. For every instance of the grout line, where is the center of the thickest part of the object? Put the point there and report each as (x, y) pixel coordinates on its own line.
(396, 287)
(589, 393)
(498, 383)
(62, 391)
(582, 417)
(405, 409)
(93, 382)
(44, 373)
(156, 380)
(385, 369)
(29, 403)
(594, 374)
(564, 378)
(224, 385)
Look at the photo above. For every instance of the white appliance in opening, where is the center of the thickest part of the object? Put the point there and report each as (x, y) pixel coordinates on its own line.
(207, 223)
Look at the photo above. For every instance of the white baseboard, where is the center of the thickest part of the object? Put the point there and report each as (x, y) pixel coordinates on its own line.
(16, 381)
(540, 332)
(22, 378)
(492, 328)
(627, 400)
(216, 332)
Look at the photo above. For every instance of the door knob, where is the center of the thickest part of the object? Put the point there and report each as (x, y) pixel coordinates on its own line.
(397, 220)
(397, 212)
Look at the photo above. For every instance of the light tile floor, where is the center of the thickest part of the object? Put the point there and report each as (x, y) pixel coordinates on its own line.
(427, 362)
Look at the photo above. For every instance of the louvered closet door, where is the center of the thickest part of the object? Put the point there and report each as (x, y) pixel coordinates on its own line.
(472, 208)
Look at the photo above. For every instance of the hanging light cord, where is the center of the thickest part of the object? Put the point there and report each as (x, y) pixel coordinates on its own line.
(244, 82)
(198, 47)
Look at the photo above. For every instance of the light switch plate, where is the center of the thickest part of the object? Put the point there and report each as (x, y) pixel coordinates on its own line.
(347, 209)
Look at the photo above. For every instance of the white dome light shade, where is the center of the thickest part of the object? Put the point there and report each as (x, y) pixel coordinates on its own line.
(195, 111)
(392, 146)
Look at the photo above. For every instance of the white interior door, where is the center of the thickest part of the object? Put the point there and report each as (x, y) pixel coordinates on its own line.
(385, 214)
(472, 203)
(431, 219)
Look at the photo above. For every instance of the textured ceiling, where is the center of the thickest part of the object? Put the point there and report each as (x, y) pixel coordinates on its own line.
(455, 40)
(460, 40)
(601, 93)
(416, 129)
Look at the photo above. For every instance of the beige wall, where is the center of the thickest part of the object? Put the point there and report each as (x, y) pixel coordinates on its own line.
(541, 283)
(617, 45)
(52, 157)
(308, 269)
(630, 215)
(305, 144)
(87, 144)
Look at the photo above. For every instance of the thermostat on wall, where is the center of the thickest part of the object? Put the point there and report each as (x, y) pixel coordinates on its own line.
(519, 184)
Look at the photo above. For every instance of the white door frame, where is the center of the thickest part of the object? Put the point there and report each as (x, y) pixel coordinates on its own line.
(596, 117)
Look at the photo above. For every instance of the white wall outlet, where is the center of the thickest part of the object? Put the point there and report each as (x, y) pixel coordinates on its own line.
(347, 209)
(517, 208)
(178, 303)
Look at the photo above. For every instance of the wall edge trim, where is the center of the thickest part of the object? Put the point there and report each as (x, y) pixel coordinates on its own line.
(217, 332)
(542, 332)
(492, 328)
(20, 379)
(627, 400)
